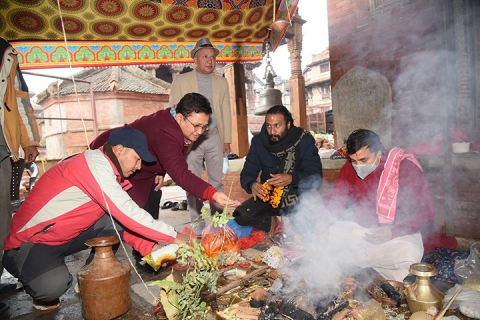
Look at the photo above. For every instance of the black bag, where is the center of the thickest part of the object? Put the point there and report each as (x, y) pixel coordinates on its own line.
(255, 213)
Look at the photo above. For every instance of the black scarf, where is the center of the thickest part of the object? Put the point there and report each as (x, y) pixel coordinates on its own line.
(286, 151)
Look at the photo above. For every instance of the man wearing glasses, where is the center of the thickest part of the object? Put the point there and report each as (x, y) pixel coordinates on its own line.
(215, 139)
(170, 133)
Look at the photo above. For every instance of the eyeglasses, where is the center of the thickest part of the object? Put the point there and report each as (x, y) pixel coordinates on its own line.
(197, 127)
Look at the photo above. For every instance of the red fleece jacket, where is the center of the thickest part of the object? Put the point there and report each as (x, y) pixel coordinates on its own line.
(415, 208)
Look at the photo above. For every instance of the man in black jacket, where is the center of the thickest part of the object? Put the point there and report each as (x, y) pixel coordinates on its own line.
(288, 160)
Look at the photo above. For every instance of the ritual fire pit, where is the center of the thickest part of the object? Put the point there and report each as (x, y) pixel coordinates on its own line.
(281, 303)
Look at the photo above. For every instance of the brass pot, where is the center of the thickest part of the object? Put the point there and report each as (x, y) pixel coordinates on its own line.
(422, 294)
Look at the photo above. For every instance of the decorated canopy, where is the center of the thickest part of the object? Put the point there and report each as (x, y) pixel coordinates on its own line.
(88, 33)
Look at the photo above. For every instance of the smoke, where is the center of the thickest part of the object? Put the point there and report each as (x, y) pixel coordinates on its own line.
(315, 264)
(419, 108)
(430, 61)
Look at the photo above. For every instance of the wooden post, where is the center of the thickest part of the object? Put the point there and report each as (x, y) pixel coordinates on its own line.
(298, 106)
(235, 75)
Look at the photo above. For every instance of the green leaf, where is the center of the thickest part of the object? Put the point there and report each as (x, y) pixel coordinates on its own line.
(165, 284)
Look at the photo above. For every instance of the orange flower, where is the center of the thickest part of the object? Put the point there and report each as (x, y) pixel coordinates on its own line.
(276, 197)
(267, 186)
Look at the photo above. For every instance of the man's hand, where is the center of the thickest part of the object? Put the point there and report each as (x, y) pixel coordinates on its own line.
(226, 149)
(259, 191)
(158, 182)
(280, 179)
(379, 235)
(181, 238)
(222, 199)
(31, 153)
(155, 247)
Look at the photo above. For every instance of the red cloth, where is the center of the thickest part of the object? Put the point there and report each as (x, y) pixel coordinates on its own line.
(415, 208)
(167, 143)
(432, 240)
(255, 236)
(388, 186)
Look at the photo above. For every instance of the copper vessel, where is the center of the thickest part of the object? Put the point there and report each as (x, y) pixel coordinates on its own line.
(104, 284)
(422, 294)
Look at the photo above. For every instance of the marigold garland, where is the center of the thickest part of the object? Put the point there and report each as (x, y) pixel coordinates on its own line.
(274, 195)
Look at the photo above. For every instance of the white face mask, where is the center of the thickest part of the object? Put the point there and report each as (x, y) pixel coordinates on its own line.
(363, 170)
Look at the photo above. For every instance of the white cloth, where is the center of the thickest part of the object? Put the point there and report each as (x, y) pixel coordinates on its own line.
(392, 259)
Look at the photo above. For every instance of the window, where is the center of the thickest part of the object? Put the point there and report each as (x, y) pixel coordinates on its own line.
(307, 75)
(324, 67)
(326, 92)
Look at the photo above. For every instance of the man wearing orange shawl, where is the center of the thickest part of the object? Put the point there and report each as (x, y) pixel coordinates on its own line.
(384, 204)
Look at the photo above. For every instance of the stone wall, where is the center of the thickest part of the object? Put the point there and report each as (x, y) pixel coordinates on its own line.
(404, 41)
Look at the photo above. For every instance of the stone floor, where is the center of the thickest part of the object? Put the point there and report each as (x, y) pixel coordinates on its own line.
(142, 295)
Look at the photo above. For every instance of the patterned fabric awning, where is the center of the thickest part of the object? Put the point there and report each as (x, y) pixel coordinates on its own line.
(88, 33)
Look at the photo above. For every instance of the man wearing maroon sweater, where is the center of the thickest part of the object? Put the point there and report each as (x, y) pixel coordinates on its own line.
(169, 133)
(384, 204)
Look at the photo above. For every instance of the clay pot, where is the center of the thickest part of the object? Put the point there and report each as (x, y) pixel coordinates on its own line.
(104, 284)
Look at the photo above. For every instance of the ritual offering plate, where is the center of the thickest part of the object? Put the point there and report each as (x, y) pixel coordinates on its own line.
(388, 298)
(244, 264)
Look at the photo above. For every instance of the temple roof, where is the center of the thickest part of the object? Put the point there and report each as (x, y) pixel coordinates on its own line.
(108, 79)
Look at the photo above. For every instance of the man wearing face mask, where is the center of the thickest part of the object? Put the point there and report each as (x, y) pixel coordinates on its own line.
(288, 160)
(388, 206)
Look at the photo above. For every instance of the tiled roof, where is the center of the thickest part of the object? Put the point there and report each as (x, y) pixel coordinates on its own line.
(111, 79)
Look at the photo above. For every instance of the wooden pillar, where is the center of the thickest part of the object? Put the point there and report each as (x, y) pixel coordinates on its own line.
(294, 39)
(235, 75)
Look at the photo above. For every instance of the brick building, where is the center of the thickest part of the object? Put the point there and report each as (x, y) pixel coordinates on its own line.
(429, 51)
(120, 95)
(318, 91)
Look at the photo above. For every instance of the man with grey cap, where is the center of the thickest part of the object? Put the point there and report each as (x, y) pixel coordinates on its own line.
(78, 199)
(214, 143)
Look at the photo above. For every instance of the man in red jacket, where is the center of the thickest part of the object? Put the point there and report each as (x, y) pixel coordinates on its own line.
(79, 199)
(388, 206)
(169, 134)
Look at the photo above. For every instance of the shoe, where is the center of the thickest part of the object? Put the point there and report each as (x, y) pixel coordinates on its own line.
(6, 288)
(232, 156)
(3, 308)
(182, 205)
(167, 205)
(175, 206)
(46, 306)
